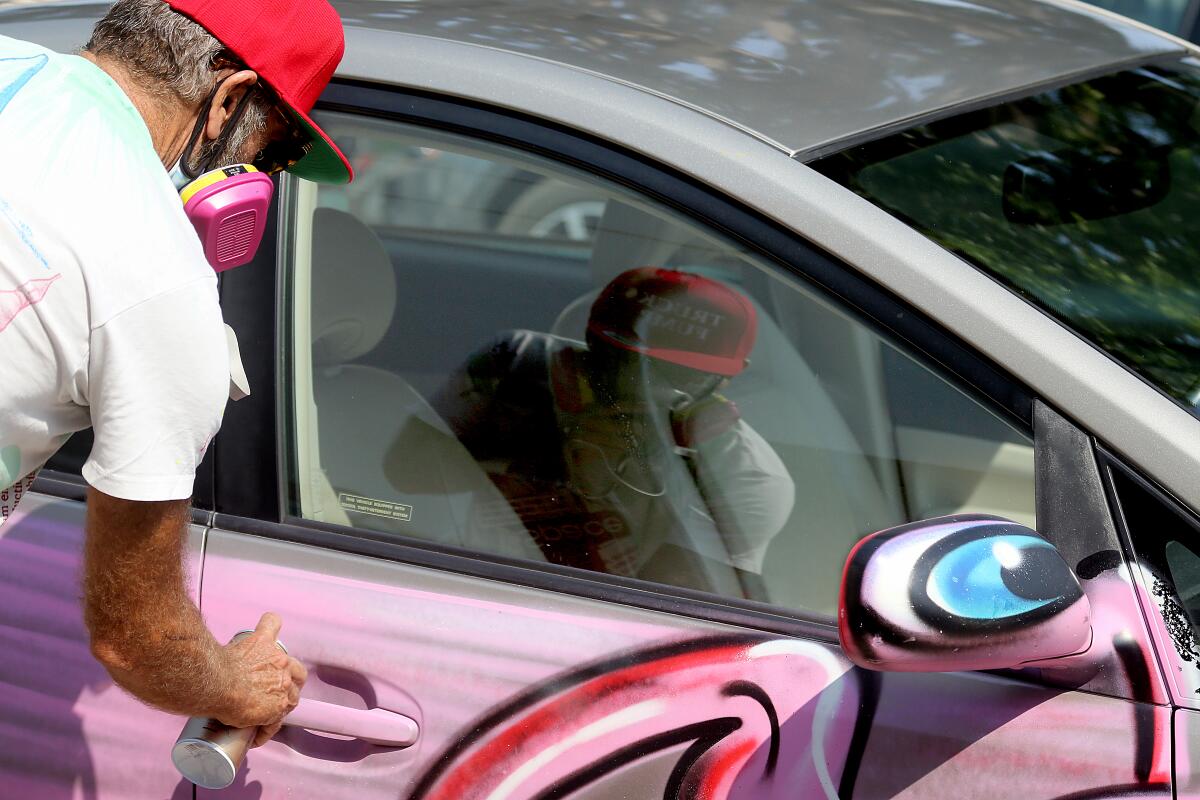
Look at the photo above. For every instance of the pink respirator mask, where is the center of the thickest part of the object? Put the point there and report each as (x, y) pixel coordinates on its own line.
(228, 207)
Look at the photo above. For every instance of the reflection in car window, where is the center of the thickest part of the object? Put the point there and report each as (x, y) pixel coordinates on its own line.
(620, 446)
(474, 195)
(1164, 537)
(1081, 198)
(637, 396)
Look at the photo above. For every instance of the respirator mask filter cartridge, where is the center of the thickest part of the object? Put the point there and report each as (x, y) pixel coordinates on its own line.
(228, 208)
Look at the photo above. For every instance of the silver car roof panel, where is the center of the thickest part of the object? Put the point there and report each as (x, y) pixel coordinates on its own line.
(799, 75)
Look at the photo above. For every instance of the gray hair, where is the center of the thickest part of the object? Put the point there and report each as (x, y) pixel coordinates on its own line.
(171, 57)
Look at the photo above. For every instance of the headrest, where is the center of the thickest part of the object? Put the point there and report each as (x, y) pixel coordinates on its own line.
(628, 237)
(353, 288)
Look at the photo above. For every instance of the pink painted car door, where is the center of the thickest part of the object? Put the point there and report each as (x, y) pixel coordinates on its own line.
(66, 731)
(520, 692)
(530, 499)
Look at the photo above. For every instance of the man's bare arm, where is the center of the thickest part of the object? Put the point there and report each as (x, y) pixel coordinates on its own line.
(149, 634)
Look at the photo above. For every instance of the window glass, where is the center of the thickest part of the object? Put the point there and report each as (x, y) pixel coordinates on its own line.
(498, 352)
(1079, 197)
(1166, 541)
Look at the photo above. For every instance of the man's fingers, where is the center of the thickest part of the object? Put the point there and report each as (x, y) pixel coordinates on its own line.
(269, 625)
(264, 734)
(298, 672)
(274, 679)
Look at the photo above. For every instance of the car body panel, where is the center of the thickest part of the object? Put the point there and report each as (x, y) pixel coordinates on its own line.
(519, 691)
(62, 27)
(1187, 753)
(1009, 740)
(800, 75)
(66, 730)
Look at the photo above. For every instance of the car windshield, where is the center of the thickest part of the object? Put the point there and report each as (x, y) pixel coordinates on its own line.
(1080, 198)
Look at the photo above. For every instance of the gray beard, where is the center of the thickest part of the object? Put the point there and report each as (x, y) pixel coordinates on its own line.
(213, 152)
(226, 150)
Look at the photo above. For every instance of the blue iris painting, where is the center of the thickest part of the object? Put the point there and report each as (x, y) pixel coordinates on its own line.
(991, 578)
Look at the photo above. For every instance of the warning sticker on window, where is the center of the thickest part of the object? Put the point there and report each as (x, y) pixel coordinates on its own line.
(378, 508)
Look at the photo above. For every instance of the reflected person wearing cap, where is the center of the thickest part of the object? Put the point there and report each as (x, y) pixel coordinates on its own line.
(109, 314)
(619, 454)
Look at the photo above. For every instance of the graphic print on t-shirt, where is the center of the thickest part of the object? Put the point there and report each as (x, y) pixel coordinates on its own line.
(12, 488)
(23, 231)
(25, 68)
(14, 74)
(119, 333)
(14, 301)
(12, 495)
(10, 465)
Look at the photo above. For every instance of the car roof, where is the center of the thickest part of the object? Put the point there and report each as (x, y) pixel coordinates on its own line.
(800, 74)
(806, 76)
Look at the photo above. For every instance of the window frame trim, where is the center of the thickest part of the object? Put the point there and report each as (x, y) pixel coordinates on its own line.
(871, 304)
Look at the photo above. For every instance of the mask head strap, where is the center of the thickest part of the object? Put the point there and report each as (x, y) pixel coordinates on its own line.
(218, 146)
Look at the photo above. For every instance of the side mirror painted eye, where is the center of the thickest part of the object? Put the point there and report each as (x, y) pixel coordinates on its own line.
(962, 592)
(981, 575)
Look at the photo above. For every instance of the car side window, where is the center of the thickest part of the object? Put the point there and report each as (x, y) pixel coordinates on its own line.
(498, 352)
(1163, 534)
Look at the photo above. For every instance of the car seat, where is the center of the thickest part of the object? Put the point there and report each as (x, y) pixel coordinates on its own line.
(391, 461)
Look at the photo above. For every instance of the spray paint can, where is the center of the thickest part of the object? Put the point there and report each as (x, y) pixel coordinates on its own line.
(208, 752)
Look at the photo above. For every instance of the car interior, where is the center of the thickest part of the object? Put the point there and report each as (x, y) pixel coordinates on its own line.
(383, 314)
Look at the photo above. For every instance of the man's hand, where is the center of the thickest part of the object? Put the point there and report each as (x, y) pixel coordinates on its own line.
(266, 682)
(149, 635)
(704, 420)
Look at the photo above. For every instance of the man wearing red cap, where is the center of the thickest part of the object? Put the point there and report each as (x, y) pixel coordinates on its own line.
(621, 455)
(108, 304)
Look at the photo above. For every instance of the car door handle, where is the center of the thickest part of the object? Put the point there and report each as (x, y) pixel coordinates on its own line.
(374, 725)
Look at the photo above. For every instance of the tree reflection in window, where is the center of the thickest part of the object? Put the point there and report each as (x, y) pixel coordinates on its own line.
(1080, 198)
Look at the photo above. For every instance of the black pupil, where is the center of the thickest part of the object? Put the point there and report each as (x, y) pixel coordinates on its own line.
(1041, 575)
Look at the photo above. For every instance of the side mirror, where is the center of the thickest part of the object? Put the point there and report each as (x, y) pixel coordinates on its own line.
(957, 593)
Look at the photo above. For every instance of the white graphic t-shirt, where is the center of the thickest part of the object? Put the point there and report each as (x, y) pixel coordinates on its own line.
(108, 308)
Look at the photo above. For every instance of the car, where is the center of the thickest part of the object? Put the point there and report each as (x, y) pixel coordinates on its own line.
(693, 400)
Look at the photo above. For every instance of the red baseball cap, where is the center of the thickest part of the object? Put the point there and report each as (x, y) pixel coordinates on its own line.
(293, 45)
(678, 317)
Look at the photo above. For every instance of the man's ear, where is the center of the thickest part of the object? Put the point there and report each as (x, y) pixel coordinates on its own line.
(230, 94)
